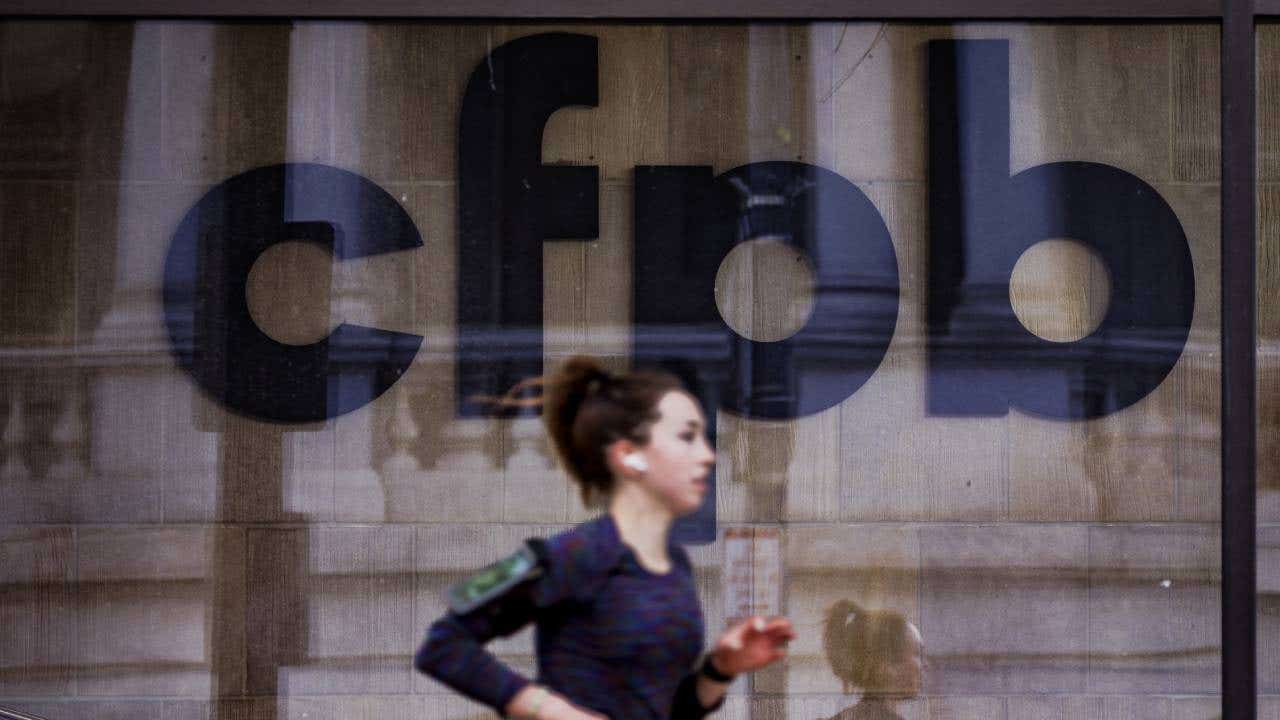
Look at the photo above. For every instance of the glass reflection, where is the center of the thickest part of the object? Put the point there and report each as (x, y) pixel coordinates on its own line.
(829, 231)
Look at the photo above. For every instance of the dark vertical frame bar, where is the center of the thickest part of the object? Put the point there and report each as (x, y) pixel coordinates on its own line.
(1239, 342)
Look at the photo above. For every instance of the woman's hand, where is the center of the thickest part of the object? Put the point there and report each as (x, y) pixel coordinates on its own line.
(535, 702)
(558, 708)
(751, 645)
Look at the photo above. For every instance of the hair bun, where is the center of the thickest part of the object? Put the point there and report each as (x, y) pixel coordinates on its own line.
(586, 408)
(841, 636)
(581, 376)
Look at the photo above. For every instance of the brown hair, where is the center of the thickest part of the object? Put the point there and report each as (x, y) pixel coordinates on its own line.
(586, 408)
(858, 641)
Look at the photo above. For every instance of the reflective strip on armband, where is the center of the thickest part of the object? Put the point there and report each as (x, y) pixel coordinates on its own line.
(494, 580)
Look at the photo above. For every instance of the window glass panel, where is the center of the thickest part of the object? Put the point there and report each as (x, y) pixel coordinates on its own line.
(948, 296)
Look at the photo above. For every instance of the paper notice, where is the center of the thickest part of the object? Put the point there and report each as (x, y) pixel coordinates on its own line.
(752, 573)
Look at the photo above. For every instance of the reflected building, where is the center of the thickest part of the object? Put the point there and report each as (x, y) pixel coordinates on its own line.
(763, 207)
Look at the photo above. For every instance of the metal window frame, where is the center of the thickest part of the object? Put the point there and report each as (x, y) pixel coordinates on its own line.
(959, 10)
(1237, 18)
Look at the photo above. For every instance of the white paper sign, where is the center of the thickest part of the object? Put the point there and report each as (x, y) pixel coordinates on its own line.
(752, 573)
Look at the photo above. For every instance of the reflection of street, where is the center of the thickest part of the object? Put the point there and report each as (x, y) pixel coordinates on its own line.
(1016, 609)
(879, 653)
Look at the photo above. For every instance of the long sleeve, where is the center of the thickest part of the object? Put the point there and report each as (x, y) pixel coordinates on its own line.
(685, 705)
(454, 652)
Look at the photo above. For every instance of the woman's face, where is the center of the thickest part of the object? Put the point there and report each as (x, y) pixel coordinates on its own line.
(678, 455)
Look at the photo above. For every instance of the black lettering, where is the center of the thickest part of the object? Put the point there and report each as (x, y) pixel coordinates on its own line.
(509, 203)
(212, 334)
(982, 361)
(686, 222)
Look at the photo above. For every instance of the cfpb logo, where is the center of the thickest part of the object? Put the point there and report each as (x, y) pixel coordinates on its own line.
(686, 219)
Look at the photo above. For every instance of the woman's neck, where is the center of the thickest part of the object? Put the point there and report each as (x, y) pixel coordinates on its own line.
(643, 525)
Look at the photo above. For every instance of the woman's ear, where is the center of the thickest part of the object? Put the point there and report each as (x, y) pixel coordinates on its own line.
(623, 457)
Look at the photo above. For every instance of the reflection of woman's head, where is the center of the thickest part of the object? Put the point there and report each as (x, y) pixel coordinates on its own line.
(876, 651)
(587, 409)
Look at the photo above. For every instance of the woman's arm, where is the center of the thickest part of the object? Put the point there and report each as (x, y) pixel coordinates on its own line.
(536, 702)
(711, 691)
(747, 646)
(491, 605)
(496, 601)
(454, 654)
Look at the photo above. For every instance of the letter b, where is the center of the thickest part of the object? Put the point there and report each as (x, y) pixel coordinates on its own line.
(982, 361)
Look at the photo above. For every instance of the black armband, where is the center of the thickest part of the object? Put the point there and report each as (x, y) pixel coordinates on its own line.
(711, 672)
(495, 580)
(685, 705)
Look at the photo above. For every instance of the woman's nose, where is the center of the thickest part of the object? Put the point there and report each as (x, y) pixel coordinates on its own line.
(708, 453)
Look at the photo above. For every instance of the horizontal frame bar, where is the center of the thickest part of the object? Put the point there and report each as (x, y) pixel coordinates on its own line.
(633, 9)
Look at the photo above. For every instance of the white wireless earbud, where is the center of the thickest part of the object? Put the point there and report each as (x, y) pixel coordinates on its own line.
(635, 462)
